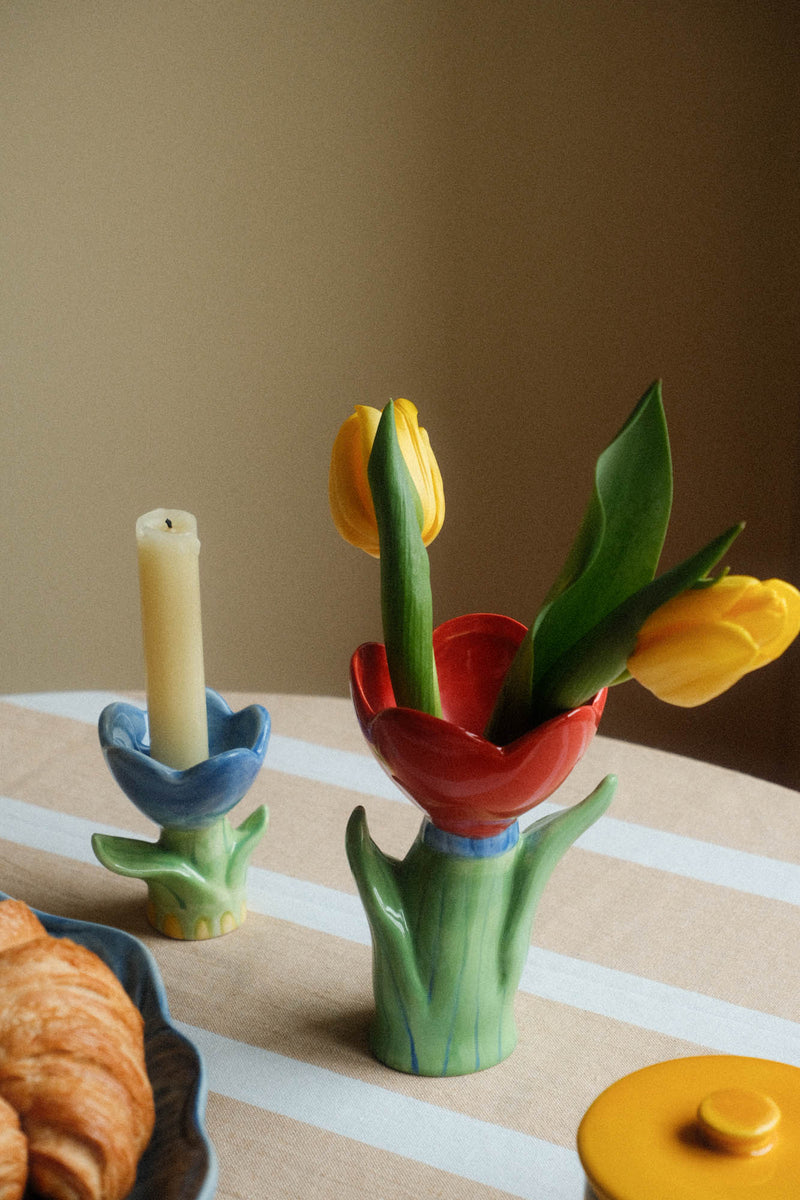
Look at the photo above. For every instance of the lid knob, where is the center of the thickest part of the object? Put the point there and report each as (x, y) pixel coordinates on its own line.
(738, 1121)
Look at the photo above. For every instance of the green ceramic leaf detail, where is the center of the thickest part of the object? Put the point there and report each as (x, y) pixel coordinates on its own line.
(245, 838)
(406, 602)
(376, 876)
(143, 860)
(542, 845)
(195, 877)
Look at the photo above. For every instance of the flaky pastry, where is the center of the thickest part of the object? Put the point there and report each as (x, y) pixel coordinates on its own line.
(71, 1063)
(13, 1154)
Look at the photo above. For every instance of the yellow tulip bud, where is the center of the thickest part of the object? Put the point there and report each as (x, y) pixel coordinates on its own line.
(348, 487)
(700, 643)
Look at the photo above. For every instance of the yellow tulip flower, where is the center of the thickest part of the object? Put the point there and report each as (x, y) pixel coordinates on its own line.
(700, 643)
(348, 487)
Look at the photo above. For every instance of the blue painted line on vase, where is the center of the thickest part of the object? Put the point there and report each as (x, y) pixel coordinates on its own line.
(417, 932)
(406, 1021)
(462, 883)
(481, 945)
(436, 947)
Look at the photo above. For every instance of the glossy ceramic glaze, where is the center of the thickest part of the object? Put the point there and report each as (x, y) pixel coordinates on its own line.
(195, 797)
(713, 1127)
(466, 784)
(451, 927)
(179, 1162)
(196, 872)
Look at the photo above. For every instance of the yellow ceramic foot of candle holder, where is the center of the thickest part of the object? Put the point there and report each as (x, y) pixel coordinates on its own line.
(182, 927)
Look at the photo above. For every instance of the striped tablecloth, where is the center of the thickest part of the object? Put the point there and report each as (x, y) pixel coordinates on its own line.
(670, 928)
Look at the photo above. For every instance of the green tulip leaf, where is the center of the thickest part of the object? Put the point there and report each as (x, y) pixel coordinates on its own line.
(512, 710)
(599, 658)
(620, 539)
(615, 553)
(406, 602)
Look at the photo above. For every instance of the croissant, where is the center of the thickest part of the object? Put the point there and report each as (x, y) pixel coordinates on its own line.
(71, 1064)
(13, 1154)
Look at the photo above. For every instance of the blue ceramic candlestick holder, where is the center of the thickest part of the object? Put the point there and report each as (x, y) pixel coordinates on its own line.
(196, 871)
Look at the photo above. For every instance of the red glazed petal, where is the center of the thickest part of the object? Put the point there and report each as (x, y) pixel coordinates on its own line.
(370, 685)
(466, 784)
(473, 654)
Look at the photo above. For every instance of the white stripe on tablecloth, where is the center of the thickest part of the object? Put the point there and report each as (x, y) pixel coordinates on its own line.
(80, 706)
(489, 1154)
(703, 1020)
(723, 866)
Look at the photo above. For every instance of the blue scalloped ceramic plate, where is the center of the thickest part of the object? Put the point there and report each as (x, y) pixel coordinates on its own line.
(179, 1163)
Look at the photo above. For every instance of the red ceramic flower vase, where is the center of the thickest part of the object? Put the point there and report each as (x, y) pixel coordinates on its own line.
(466, 784)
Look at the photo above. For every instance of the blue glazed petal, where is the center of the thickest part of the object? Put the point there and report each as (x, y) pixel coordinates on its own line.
(195, 797)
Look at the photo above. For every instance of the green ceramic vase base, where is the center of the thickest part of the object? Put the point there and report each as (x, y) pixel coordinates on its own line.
(195, 877)
(450, 936)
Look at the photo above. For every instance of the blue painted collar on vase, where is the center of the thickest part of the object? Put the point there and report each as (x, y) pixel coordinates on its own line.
(470, 847)
(201, 794)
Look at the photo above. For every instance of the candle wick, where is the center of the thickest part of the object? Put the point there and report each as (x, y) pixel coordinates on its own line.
(169, 523)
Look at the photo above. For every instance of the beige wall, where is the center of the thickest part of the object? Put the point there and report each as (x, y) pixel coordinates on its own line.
(226, 223)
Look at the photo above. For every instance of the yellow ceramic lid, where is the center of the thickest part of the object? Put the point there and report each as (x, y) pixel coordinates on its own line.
(716, 1127)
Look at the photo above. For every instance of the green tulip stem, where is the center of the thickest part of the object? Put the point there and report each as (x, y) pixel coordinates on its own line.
(195, 877)
(450, 938)
(406, 602)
